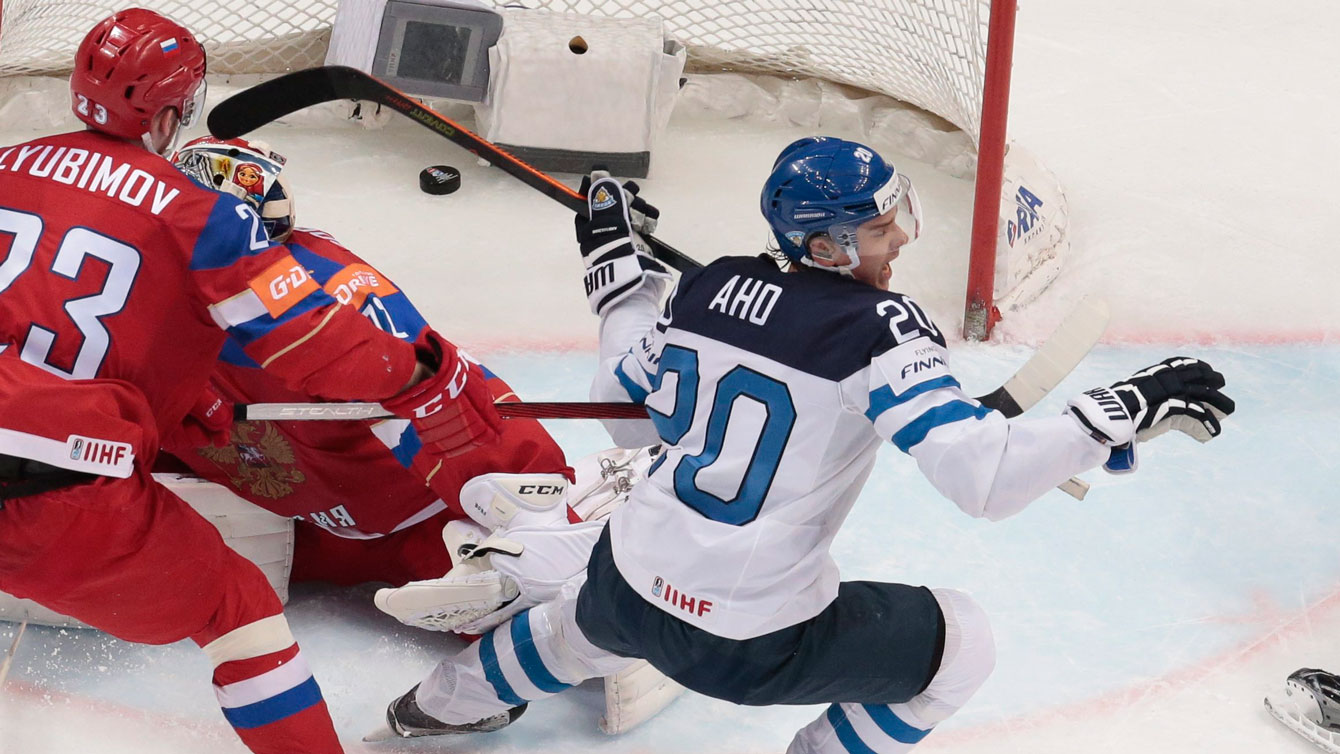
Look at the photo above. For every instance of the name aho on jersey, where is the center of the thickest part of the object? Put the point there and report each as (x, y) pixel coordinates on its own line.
(749, 299)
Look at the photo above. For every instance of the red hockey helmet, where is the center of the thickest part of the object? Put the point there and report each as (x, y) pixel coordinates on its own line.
(130, 66)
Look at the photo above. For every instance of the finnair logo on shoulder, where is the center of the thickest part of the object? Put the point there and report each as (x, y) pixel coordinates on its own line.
(922, 365)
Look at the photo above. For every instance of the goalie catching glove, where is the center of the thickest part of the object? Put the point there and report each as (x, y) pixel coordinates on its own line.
(1180, 393)
(617, 259)
(496, 579)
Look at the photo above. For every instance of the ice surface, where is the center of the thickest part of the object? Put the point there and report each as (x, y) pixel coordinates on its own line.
(1197, 142)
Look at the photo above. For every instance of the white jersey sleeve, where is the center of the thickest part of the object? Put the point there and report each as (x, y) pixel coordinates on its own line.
(990, 466)
(631, 338)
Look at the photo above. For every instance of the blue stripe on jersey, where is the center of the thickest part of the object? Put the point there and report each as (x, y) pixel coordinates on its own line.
(893, 726)
(523, 643)
(845, 733)
(916, 430)
(634, 390)
(409, 446)
(249, 331)
(321, 268)
(232, 353)
(303, 696)
(488, 656)
(227, 236)
(883, 399)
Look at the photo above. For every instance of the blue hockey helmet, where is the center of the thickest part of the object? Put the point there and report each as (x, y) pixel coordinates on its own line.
(827, 186)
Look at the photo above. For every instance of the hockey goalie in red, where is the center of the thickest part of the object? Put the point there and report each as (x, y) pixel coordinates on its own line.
(125, 278)
(348, 531)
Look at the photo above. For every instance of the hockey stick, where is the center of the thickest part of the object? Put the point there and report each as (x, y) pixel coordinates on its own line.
(361, 411)
(9, 654)
(1048, 365)
(268, 101)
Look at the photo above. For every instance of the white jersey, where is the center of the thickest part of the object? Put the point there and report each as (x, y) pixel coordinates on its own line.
(772, 392)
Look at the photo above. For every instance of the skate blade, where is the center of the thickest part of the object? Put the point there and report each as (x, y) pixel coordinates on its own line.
(1282, 710)
(381, 735)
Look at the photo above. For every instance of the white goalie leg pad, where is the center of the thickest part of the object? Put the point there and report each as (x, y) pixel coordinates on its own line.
(253, 532)
(969, 656)
(500, 501)
(468, 592)
(605, 479)
(448, 603)
(634, 695)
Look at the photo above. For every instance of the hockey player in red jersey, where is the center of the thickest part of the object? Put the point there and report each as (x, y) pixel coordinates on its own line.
(318, 472)
(125, 278)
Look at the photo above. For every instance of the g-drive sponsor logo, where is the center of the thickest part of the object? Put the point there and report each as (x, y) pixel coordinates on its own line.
(1026, 215)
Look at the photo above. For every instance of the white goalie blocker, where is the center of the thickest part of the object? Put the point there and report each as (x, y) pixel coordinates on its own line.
(254, 533)
(570, 92)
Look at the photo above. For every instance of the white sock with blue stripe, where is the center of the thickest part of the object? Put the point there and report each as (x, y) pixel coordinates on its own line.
(536, 654)
(969, 656)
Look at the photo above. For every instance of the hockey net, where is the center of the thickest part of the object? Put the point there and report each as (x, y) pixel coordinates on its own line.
(930, 53)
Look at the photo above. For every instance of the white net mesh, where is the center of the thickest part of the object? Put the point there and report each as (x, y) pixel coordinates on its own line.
(930, 53)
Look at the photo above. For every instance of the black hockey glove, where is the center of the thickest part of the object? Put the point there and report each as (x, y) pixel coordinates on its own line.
(1180, 393)
(616, 258)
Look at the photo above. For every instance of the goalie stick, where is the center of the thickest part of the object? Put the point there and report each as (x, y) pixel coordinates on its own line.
(271, 100)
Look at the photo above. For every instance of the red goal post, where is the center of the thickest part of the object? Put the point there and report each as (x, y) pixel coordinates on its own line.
(949, 57)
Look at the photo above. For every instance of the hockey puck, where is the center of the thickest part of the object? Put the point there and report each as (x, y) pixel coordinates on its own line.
(439, 179)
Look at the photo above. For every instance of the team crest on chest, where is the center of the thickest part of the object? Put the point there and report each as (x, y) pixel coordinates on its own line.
(259, 459)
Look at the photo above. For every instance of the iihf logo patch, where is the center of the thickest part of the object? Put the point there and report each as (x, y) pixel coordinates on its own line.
(602, 199)
(656, 586)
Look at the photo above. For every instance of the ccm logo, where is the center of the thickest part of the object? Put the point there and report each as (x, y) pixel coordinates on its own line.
(540, 489)
(454, 388)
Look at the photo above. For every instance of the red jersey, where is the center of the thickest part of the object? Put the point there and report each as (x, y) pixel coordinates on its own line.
(116, 265)
(355, 479)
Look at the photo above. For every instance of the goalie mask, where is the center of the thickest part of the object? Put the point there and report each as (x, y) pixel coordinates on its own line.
(826, 186)
(247, 169)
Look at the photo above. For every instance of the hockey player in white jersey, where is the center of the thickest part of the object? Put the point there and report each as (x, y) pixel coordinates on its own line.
(772, 391)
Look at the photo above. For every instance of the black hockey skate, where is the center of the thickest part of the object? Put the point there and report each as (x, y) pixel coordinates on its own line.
(1310, 706)
(404, 719)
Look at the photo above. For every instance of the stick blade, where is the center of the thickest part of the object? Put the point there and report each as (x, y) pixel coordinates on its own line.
(1060, 354)
(271, 100)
